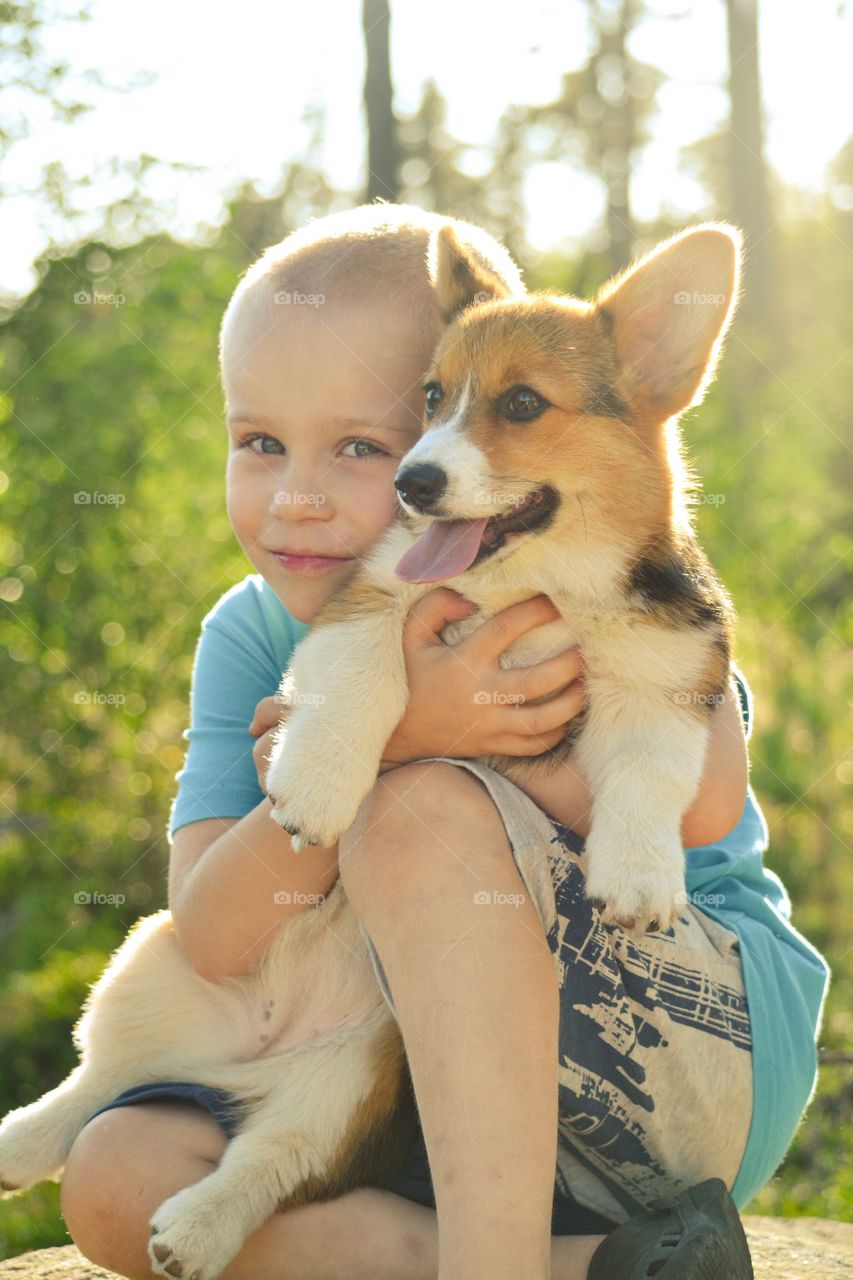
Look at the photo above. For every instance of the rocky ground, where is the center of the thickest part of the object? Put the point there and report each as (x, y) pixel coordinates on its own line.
(782, 1249)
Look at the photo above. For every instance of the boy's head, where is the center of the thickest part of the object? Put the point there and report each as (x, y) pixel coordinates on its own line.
(323, 350)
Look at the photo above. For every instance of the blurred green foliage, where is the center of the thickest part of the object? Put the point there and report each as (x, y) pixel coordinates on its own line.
(101, 601)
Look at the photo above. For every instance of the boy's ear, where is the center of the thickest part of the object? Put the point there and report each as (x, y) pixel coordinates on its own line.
(669, 314)
(460, 279)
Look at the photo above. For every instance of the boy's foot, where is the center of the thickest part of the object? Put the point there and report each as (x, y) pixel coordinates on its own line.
(696, 1235)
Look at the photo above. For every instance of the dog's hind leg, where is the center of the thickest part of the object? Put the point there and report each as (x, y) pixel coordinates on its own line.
(306, 1141)
(35, 1139)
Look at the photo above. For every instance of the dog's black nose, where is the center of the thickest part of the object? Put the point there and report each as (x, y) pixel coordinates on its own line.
(421, 485)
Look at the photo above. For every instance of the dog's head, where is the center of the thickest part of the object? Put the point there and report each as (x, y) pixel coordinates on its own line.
(547, 413)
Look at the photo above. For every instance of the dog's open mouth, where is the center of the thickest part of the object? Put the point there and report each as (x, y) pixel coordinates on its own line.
(451, 546)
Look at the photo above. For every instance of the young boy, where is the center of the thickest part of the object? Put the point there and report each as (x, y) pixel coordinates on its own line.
(567, 1077)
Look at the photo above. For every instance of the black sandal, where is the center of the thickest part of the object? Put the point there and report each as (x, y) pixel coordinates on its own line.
(697, 1235)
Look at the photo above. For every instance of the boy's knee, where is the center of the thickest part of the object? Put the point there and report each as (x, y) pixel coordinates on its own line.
(124, 1164)
(427, 793)
(421, 823)
(93, 1194)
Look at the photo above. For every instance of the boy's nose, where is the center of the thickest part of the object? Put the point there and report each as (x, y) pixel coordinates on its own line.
(294, 503)
(421, 485)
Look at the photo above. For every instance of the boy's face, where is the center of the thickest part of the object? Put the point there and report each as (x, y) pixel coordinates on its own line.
(332, 395)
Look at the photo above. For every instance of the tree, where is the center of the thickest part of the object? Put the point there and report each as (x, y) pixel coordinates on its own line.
(382, 146)
(599, 120)
(26, 69)
(748, 179)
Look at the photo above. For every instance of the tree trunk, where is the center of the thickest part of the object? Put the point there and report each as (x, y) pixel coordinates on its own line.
(617, 128)
(748, 179)
(382, 150)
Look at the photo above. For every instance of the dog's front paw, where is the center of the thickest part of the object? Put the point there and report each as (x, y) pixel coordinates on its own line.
(637, 882)
(315, 804)
(303, 833)
(193, 1236)
(281, 787)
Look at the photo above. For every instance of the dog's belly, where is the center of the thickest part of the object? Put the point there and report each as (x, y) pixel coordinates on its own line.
(315, 982)
(309, 1026)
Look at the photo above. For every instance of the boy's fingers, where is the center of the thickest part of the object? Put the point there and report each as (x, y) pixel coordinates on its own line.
(546, 717)
(532, 745)
(268, 713)
(490, 639)
(429, 615)
(548, 677)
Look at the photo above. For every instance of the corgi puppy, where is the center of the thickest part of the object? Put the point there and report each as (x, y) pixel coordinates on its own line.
(551, 462)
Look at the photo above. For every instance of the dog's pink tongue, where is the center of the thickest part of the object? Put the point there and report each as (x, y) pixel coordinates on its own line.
(448, 547)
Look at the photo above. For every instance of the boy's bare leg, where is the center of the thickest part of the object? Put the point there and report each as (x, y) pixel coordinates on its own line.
(475, 990)
(127, 1162)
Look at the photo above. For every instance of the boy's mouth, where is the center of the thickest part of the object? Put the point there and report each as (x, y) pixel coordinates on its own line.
(303, 562)
(450, 547)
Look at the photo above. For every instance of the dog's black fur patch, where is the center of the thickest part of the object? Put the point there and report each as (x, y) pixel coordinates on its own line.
(681, 583)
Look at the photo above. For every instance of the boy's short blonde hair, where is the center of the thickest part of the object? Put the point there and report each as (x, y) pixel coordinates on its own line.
(374, 253)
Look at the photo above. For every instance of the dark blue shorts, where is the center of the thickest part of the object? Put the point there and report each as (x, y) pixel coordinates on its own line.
(414, 1182)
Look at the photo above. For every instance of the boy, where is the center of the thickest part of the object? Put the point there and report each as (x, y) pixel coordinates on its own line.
(643, 1046)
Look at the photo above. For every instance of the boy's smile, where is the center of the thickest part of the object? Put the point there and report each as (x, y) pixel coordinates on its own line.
(323, 402)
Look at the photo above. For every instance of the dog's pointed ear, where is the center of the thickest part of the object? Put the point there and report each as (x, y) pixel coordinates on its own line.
(460, 279)
(669, 314)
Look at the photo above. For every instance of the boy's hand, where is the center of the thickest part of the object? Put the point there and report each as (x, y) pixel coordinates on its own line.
(269, 713)
(462, 703)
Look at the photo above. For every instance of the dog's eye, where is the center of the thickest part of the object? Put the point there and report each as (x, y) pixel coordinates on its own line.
(434, 396)
(521, 404)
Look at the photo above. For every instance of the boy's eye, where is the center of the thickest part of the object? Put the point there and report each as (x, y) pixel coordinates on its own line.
(521, 404)
(250, 440)
(434, 396)
(369, 444)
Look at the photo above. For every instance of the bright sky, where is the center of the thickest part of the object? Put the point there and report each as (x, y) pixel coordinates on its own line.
(230, 83)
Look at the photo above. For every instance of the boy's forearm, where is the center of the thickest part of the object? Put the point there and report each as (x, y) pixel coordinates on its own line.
(226, 913)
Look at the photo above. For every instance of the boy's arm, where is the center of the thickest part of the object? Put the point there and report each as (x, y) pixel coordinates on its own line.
(225, 871)
(719, 802)
(222, 895)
